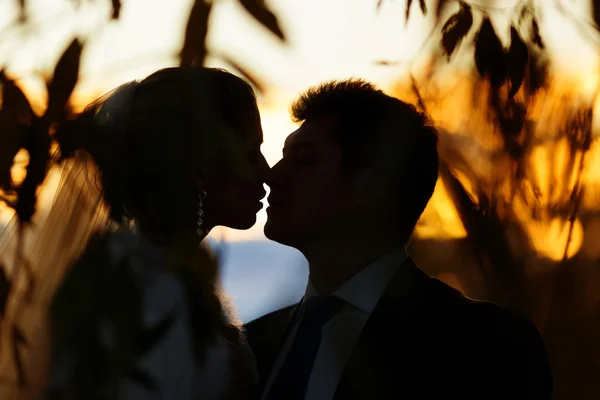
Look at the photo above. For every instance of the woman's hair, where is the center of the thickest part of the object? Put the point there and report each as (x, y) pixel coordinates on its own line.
(176, 121)
(179, 119)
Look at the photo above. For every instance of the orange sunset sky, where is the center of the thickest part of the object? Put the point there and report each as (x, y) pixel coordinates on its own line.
(327, 39)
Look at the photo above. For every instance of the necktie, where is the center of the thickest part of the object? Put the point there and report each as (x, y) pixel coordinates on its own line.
(292, 380)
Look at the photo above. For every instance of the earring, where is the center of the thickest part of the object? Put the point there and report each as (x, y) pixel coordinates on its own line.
(200, 222)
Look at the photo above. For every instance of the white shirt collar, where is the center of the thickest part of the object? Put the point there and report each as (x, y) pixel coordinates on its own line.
(365, 289)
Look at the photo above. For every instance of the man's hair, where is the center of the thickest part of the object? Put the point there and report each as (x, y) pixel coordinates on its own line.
(371, 126)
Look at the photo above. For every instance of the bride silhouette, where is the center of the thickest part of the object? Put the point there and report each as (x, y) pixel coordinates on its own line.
(135, 308)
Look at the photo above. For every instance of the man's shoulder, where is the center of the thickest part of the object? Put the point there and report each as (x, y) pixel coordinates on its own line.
(480, 316)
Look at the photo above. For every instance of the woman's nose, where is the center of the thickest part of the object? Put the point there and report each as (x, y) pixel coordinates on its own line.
(264, 168)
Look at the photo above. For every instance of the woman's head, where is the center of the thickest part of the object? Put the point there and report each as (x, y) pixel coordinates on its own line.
(186, 132)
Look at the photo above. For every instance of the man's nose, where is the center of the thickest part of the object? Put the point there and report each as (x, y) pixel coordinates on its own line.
(276, 174)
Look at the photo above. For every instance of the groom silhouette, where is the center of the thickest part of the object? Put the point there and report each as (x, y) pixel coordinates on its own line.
(352, 183)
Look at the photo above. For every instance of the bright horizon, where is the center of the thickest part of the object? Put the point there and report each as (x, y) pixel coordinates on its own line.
(332, 39)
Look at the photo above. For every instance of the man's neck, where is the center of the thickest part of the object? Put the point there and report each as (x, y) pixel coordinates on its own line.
(332, 263)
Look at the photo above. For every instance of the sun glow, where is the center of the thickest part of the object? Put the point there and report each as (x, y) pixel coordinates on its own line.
(468, 136)
(113, 55)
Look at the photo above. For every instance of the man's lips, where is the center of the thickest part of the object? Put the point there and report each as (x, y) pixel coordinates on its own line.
(274, 203)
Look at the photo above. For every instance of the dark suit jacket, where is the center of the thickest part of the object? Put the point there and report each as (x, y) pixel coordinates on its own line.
(425, 340)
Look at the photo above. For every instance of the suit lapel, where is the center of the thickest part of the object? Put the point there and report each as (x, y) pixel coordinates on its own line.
(365, 370)
(280, 340)
(290, 324)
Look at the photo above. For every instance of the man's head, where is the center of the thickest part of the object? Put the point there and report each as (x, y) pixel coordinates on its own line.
(361, 160)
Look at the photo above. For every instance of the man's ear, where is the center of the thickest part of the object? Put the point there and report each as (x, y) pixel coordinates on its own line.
(366, 186)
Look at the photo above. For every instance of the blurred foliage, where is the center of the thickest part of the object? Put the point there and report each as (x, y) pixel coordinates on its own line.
(512, 75)
(510, 83)
(22, 129)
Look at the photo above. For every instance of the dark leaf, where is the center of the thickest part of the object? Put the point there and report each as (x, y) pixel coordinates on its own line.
(423, 6)
(407, 11)
(525, 12)
(15, 116)
(15, 101)
(246, 74)
(596, 12)
(63, 82)
(490, 56)
(537, 73)
(456, 28)
(37, 144)
(116, 9)
(262, 14)
(518, 57)
(193, 51)
(4, 290)
(581, 130)
(528, 13)
(69, 136)
(11, 140)
(379, 4)
(151, 337)
(144, 379)
(535, 34)
(511, 116)
(18, 339)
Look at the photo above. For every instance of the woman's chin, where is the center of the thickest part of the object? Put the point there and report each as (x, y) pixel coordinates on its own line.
(243, 223)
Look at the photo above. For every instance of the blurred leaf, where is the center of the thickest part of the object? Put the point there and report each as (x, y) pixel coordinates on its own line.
(596, 12)
(18, 339)
(4, 290)
(490, 57)
(15, 115)
(37, 144)
(511, 116)
(116, 9)
(15, 101)
(193, 51)
(526, 12)
(517, 59)
(245, 74)
(535, 34)
(11, 140)
(534, 29)
(386, 63)
(537, 73)
(262, 14)
(407, 11)
(22, 11)
(151, 337)
(456, 28)
(379, 4)
(409, 4)
(63, 82)
(68, 138)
